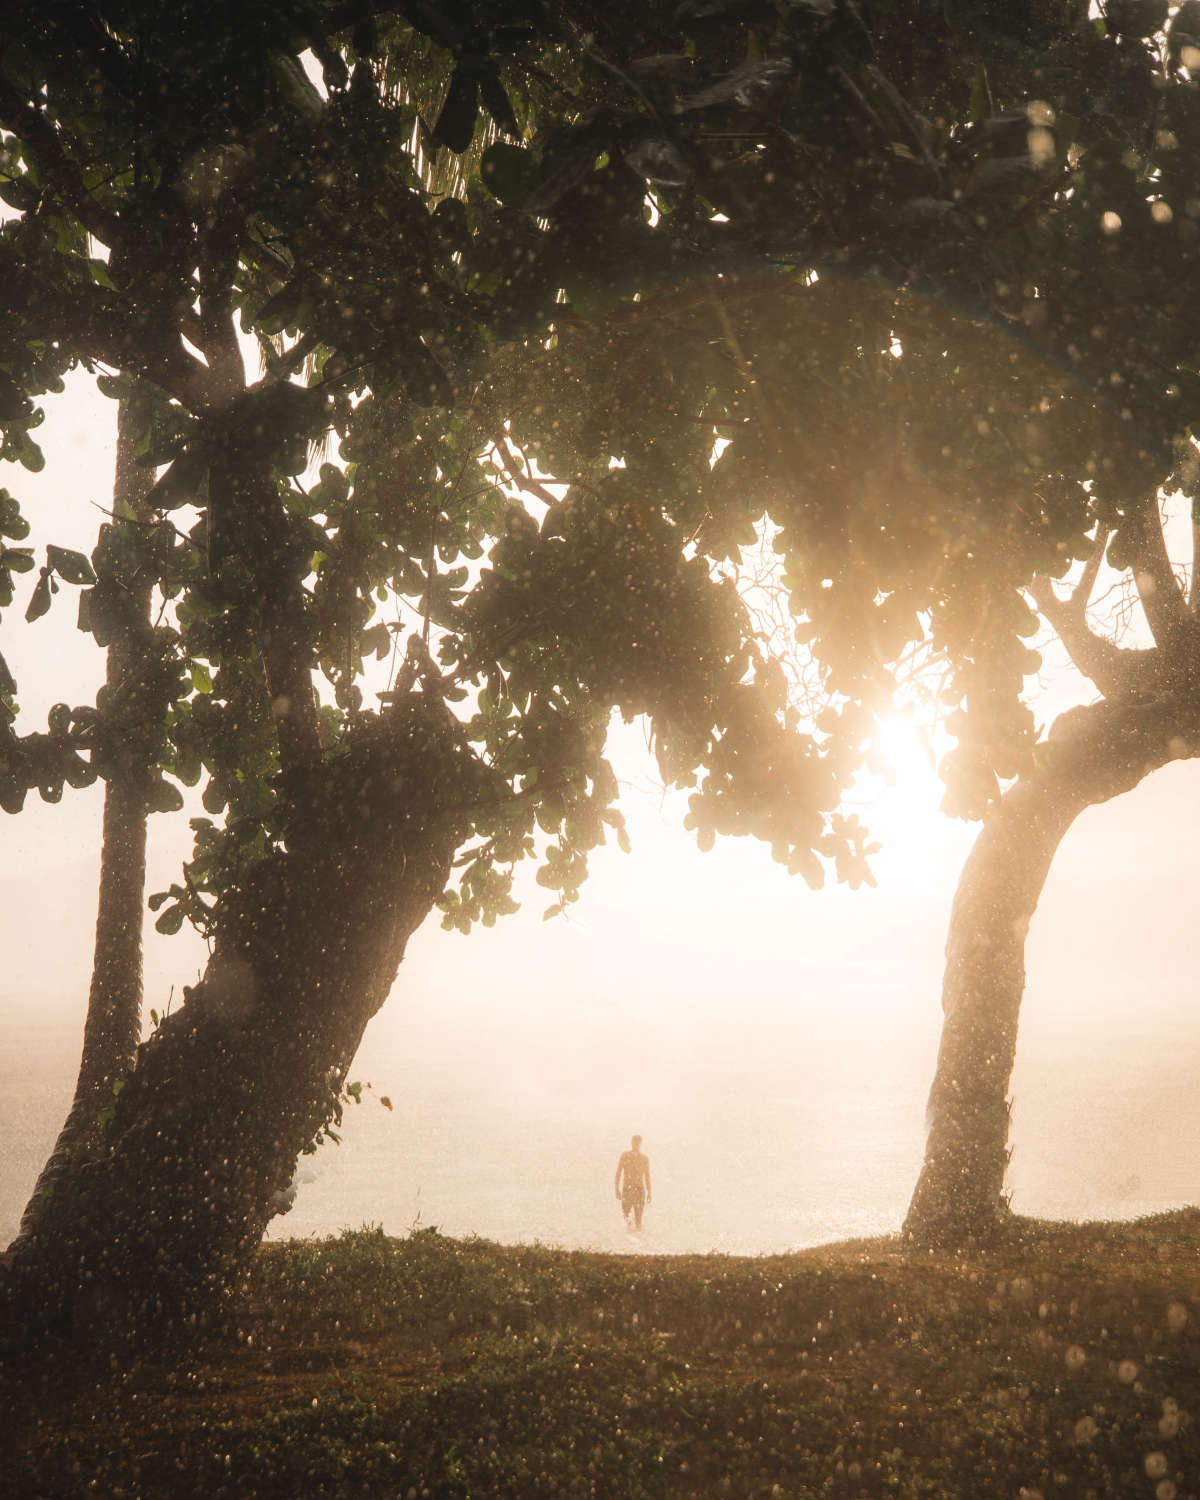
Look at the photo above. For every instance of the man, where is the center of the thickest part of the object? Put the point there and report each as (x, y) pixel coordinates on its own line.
(632, 1182)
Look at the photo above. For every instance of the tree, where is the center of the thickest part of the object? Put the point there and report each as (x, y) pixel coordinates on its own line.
(943, 421)
(1114, 305)
(974, 375)
(113, 1025)
(181, 188)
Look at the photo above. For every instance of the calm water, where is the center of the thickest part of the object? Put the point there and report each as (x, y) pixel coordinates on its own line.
(760, 1139)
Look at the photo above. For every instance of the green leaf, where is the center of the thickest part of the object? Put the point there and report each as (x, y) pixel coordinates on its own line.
(178, 485)
(335, 487)
(296, 87)
(496, 102)
(164, 797)
(115, 387)
(377, 641)
(170, 921)
(13, 402)
(99, 272)
(19, 195)
(510, 173)
(279, 312)
(78, 772)
(71, 567)
(30, 455)
(40, 601)
(455, 126)
(213, 798)
(12, 796)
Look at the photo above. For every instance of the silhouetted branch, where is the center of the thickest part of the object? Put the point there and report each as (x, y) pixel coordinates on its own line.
(1171, 622)
(1116, 671)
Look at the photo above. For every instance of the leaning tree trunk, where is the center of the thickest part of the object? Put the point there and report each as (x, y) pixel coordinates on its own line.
(114, 1012)
(223, 1098)
(1093, 755)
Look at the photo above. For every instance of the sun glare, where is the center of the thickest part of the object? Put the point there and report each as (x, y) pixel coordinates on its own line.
(903, 790)
(906, 749)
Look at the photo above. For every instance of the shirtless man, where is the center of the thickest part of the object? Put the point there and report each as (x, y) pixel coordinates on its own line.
(632, 1182)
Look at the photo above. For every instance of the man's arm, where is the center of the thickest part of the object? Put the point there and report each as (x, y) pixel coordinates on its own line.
(647, 1179)
(617, 1178)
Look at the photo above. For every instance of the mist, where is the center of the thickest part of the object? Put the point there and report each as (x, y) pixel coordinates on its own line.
(772, 1045)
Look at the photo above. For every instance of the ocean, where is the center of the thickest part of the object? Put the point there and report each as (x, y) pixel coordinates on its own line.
(761, 1139)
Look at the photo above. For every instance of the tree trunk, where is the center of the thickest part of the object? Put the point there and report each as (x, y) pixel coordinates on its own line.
(114, 1013)
(1093, 754)
(202, 1146)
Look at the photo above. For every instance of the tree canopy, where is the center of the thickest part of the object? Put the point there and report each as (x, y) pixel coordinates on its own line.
(976, 294)
(573, 297)
(180, 192)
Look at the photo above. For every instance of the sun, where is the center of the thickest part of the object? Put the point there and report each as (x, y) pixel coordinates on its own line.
(906, 748)
(902, 790)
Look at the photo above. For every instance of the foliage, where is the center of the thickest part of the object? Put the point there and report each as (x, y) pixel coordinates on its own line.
(935, 303)
(971, 364)
(179, 189)
(349, 1092)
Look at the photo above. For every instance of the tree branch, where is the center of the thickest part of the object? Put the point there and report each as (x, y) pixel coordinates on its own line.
(37, 135)
(247, 494)
(520, 479)
(245, 506)
(284, 366)
(220, 246)
(100, 329)
(1172, 624)
(1117, 672)
(1082, 592)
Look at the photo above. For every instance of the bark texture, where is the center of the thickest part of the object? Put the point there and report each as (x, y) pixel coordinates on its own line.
(114, 1012)
(159, 1219)
(1093, 755)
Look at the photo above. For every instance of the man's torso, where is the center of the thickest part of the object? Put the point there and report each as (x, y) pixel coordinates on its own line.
(634, 1169)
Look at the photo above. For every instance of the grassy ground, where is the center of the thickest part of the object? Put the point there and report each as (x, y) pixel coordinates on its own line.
(1066, 1363)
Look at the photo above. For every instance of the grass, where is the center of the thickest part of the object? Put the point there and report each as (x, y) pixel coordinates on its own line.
(1065, 1362)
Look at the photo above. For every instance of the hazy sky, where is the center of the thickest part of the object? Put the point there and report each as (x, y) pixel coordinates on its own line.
(679, 973)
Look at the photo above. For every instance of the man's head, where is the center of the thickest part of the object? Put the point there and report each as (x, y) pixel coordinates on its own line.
(637, 1143)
